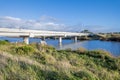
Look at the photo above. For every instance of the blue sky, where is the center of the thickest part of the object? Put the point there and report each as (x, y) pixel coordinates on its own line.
(95, 15)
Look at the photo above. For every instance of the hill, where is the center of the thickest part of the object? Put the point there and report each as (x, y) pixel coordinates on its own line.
(41, 62)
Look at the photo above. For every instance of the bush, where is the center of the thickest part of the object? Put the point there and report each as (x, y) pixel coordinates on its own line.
(54, 75)
(101, 54)
(84, 75)
(3, 42)
(68, 49)
(81, 50)
(24, 50)
(45, 48)
(50, 49)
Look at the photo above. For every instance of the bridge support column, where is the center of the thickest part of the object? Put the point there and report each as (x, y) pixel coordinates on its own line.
(26, 39)
(60, 39)
(75, 40)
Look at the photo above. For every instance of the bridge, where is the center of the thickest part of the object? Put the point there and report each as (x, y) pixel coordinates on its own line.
(27, 33)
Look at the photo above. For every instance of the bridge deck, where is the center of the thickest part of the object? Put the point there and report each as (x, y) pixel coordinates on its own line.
(35, 33)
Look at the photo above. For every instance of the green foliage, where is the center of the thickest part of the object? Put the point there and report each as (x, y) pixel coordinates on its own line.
(38, 62)
(45, 48)
(53, 75)
(3, 42)
(84, 75)
(39, 57)
(81, 50)
(68, 49)
(24, 50)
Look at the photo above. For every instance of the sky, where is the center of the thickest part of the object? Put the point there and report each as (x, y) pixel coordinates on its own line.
(61, 15)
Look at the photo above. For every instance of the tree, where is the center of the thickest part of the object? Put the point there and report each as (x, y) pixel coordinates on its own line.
(86, 31)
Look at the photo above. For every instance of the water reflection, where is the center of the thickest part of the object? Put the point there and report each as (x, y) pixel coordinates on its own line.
(60, 45)
(112, 47)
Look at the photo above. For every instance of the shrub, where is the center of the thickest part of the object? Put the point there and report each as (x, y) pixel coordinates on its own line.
(3, 42)
(104, 52)
(24, 49)
(81, 50)
(54, 75)
(101, 54)
(68, 49)
(45, 48)
(84, 75)
(50, 49)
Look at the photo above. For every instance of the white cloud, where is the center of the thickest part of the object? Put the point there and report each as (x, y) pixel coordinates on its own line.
(47, 24)
(48, 18)
(11, 18)
(97, 28)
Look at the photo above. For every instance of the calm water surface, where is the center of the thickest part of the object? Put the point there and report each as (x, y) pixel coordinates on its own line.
(112, 47)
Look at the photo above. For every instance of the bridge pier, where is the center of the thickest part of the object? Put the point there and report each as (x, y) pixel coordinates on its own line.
(60, 39)
(26, 39)
(75, 39)
(43, 42)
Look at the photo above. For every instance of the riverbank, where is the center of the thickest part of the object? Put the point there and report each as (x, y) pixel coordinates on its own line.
(108, 37)
(40, 62)
(114, 37)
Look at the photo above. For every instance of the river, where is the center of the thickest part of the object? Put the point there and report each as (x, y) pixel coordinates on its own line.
(112, 47)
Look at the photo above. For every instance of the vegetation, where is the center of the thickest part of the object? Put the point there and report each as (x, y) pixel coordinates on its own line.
(2, 42)
(114, 37)
(40, 62)
(105, 37)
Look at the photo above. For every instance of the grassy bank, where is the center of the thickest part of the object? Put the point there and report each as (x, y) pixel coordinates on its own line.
(40, 62)
(110, 37)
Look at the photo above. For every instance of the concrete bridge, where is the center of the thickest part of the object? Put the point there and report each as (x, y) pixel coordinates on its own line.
(26, 34)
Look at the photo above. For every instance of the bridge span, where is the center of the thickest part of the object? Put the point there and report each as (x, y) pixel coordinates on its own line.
(27, 33)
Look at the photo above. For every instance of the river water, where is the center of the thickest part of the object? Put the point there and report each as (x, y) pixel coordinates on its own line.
(112, 47)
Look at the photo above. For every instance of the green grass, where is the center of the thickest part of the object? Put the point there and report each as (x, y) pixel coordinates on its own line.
(37, 62)
(3, 42)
